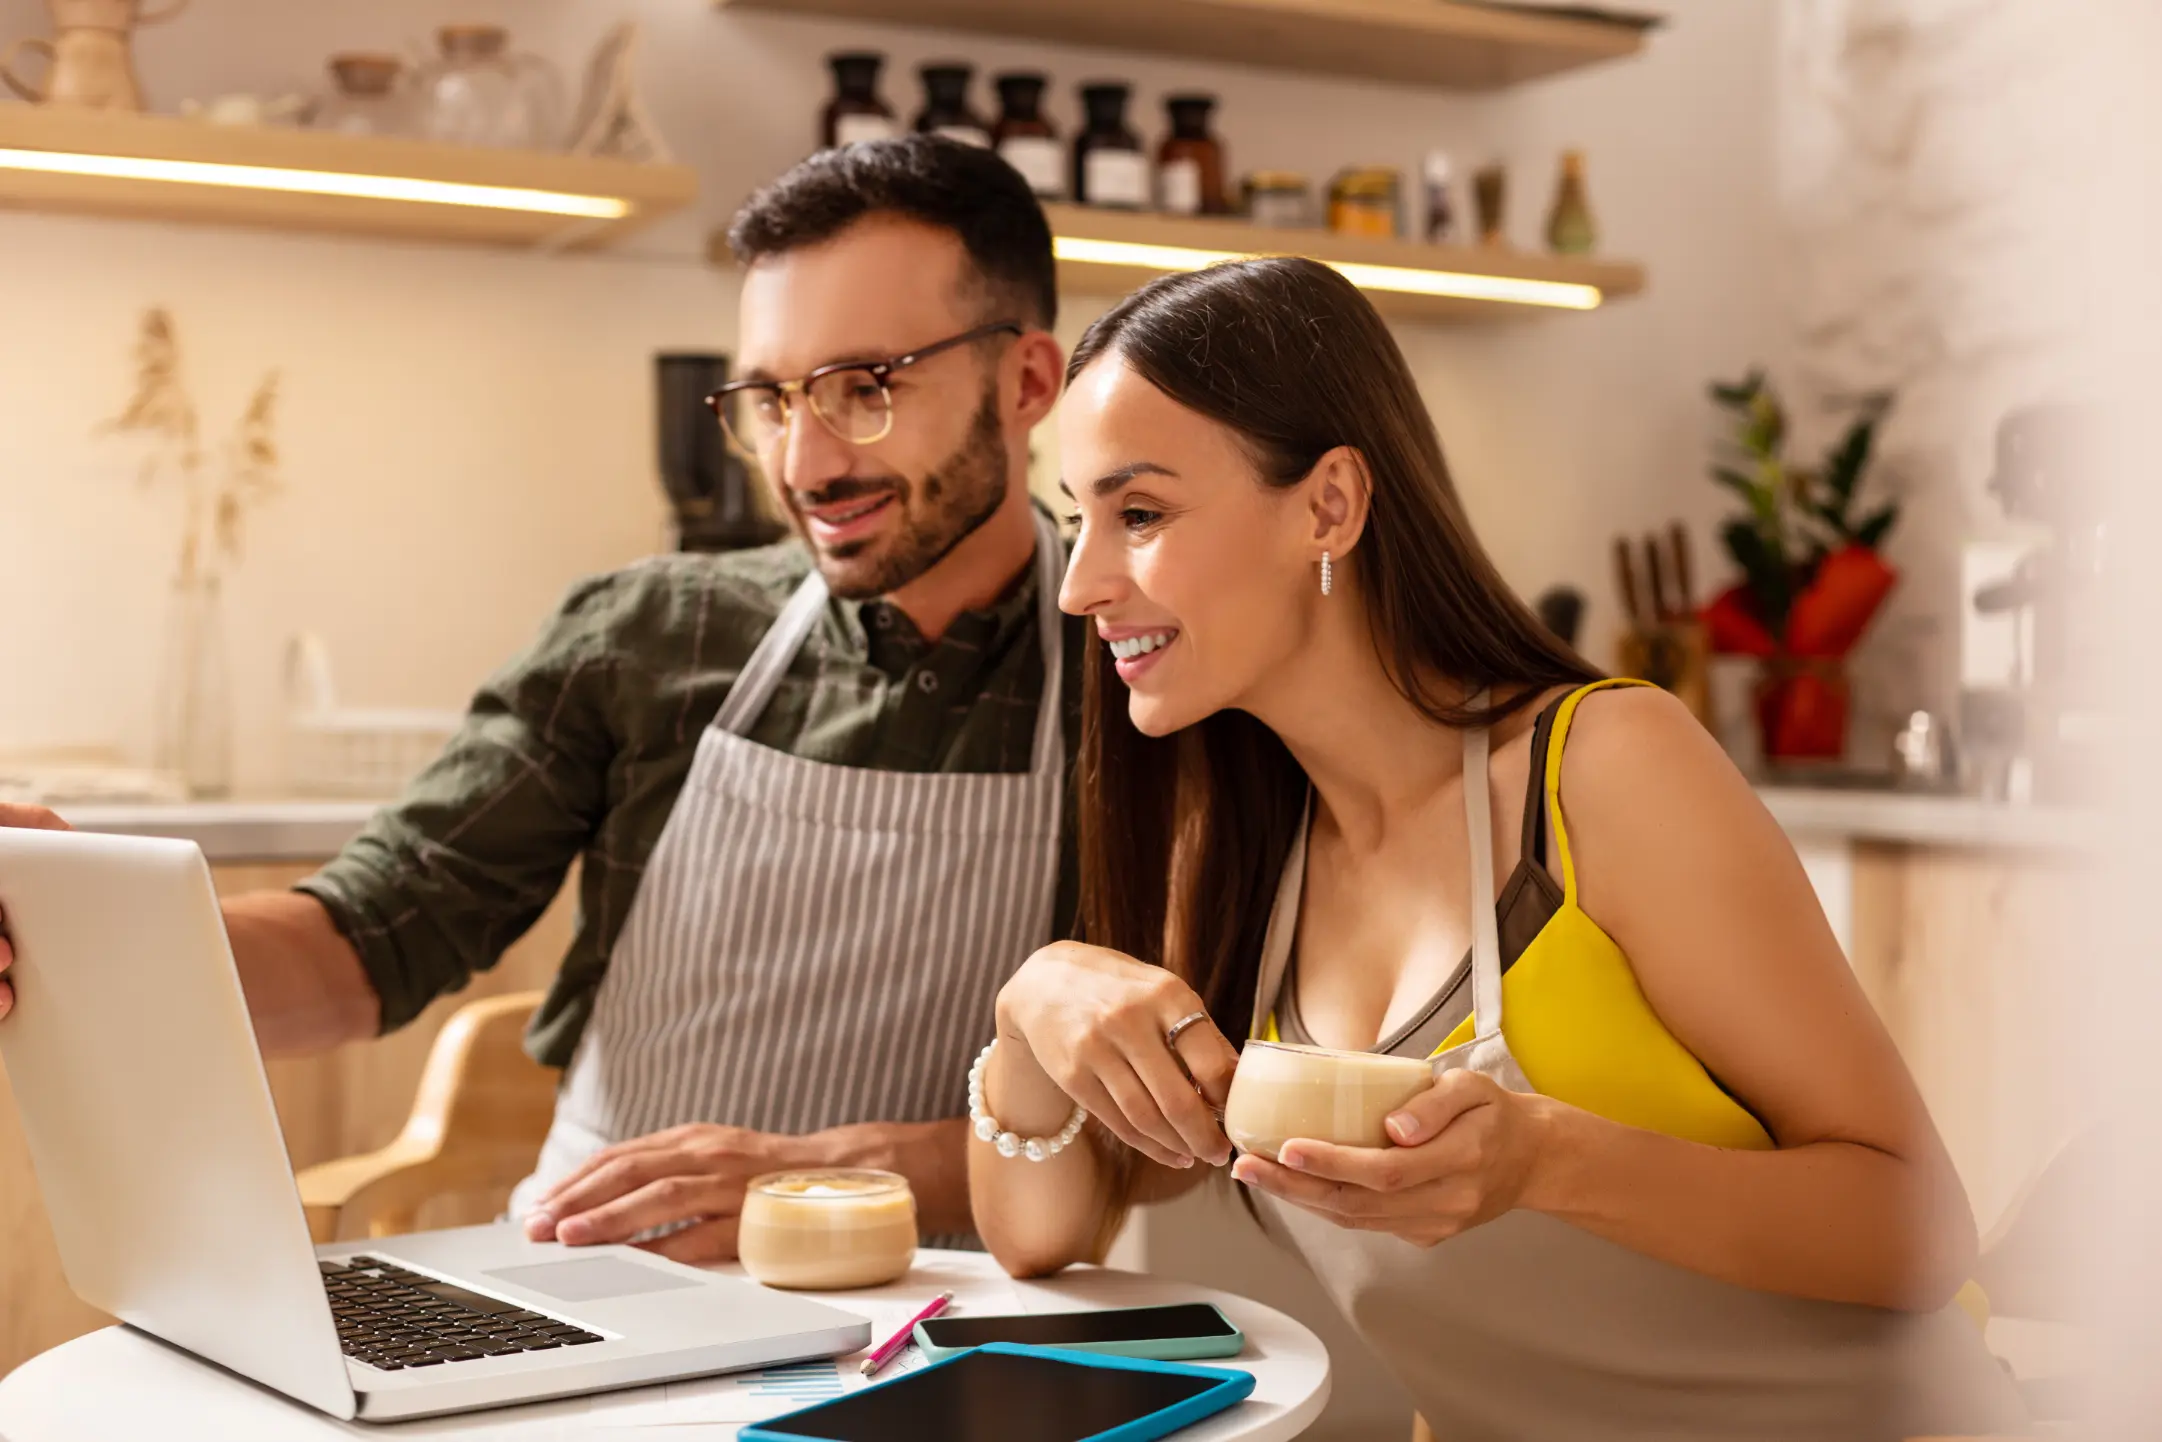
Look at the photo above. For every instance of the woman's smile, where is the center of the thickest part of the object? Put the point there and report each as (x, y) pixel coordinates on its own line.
(1137, 652)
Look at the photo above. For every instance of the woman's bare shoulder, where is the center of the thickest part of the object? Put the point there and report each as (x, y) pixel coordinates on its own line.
(1638, 767)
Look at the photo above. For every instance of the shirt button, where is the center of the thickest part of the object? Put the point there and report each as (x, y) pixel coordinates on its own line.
(926, 681)
(882, 618)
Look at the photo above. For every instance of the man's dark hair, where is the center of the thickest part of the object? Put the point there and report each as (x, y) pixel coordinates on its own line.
(959, 188)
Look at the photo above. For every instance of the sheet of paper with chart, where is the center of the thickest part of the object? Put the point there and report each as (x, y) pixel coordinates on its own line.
(738, 1397)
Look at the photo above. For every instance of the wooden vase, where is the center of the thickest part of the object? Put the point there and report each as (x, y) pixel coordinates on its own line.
(90, 60)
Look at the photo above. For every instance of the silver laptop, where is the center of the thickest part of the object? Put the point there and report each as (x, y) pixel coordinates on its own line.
(151, 1128)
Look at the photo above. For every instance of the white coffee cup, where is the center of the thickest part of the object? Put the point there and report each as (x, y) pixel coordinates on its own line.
(1281, 1091)
(827, 1230)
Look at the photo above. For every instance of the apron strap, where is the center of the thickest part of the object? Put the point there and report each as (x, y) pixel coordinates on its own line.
(1283, 926)
(776, 652)
(1485, 933)
(1049, 756)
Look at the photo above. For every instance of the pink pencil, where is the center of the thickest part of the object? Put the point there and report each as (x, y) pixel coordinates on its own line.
(891, 1347)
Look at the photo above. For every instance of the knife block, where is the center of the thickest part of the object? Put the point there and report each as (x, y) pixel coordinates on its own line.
(1675, 656)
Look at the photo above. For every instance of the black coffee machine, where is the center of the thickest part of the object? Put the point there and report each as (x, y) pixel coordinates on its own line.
(710, 490)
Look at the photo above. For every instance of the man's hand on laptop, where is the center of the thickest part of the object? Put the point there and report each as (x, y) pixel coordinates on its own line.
(37, 818)
(689, 1174)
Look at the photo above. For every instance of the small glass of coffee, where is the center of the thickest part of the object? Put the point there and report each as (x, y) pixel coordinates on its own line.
(827, 1230)
(1281, 1091)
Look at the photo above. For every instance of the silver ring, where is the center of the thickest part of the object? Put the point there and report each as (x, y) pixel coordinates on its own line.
(1171, 1037)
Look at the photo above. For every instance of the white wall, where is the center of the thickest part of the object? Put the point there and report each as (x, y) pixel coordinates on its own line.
(466, 431)
(1936, 163)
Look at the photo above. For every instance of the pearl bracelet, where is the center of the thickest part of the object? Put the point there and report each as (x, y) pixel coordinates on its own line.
(1036, 1149)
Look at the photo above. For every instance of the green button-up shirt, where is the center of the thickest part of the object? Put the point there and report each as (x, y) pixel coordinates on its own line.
(577, 750)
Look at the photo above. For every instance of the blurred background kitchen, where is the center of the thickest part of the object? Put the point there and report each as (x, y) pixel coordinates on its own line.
(1749, 328)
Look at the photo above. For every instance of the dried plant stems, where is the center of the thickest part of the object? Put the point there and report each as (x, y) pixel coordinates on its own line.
(214, 506)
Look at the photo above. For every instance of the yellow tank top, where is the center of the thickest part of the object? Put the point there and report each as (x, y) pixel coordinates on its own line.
(1580, 1026)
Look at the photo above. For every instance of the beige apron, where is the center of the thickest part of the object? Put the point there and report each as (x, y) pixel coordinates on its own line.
(1530, 1328)
(814, 945)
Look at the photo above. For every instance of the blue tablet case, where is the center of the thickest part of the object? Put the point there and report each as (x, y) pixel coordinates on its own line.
(1232, 1387)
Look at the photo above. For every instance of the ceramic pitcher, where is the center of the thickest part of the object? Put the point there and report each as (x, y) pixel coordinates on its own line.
(89, 61)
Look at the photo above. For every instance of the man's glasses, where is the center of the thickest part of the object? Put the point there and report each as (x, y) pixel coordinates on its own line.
(850, 399)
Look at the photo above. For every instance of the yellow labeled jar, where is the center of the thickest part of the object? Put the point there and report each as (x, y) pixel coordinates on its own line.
(1362, 201)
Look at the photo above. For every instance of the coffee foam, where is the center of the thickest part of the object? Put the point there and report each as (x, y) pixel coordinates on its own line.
(824, 1230)
(1282, 1090)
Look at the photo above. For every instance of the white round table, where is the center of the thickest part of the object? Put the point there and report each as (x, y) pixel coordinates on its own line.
(122, 1383)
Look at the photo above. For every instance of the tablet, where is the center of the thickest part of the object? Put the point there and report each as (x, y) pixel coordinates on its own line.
(1009, 1393)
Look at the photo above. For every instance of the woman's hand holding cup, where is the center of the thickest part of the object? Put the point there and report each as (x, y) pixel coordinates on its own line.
(1462, 1152)
(1093, 1021)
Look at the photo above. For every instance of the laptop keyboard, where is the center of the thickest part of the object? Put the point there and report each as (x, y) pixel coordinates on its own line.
(392, 1319)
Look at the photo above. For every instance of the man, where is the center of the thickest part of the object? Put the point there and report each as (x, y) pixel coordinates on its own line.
(818, 830)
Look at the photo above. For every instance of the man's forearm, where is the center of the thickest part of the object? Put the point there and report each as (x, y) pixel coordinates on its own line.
(305, 986)
(932, 1155)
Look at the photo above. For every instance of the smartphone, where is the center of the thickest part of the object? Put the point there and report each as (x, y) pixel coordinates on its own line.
(1175, 1333)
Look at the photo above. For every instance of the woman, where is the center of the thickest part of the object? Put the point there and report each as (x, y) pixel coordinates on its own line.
(1680, 1184)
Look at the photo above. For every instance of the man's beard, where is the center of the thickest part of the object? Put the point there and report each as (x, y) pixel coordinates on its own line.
(956, 496)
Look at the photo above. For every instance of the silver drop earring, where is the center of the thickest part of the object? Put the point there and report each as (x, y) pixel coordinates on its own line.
(1328, 575)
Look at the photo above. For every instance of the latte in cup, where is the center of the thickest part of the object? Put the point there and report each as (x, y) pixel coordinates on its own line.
(1281, 1091)
(827, 1230)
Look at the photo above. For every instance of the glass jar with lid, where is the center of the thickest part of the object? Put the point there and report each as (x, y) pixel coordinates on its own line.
(945, 105)
(1109, 168)
(366, 98)
(1363, 201)
(856, 112)
(1279, 200)
(476, 92)
(1024, 139)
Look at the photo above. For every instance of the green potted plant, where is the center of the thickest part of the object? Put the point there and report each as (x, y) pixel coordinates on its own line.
(1812, 577)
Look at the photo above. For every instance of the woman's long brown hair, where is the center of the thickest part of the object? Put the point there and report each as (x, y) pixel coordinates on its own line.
(1183, 838)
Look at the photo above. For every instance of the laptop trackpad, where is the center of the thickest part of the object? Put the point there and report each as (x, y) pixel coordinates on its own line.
(590, 1279)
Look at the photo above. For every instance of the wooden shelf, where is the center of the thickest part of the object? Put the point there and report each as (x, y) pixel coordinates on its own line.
(1437, 265)
(1185, 243)
(159, 168)
(1415, 42)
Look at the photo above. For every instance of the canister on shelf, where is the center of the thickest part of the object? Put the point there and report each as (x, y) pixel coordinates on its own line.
(1109, 168)
(945, 105)
(1362, 201)
(1570, 229)
(1190, 163)
(1279, 200)
(1441, 221)
(1490, 192)
(856, 113)
(1024, 139)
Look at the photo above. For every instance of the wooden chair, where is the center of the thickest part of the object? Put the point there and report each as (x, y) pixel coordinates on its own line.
(478, 1119)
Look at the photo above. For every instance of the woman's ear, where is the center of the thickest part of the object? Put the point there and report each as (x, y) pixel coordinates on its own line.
(1339, 493)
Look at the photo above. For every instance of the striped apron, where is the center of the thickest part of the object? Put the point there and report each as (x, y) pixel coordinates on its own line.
(814, 945)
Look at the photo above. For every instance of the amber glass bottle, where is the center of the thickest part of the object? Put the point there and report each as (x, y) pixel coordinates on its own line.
(1190, 162)
(1024, 139)
(855, 112)
(1108, 166)
(945, 105)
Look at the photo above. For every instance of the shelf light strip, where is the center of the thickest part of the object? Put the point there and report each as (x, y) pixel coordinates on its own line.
(317, 182)
(1455, 284)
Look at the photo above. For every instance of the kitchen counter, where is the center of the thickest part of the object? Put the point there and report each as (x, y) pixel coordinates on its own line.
(237, 830)
(1924, 819)
(310, 830)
